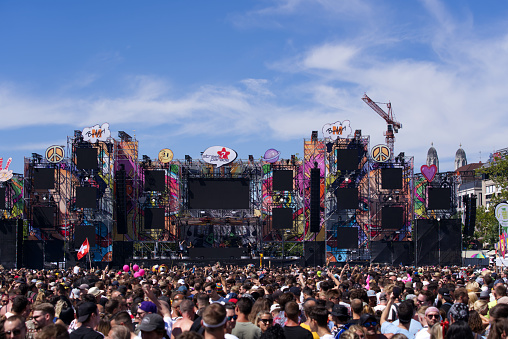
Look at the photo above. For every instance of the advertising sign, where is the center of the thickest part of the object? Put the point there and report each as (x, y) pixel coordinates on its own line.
(219, 155)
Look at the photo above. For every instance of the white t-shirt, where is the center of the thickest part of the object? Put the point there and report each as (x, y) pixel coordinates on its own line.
(423, 334)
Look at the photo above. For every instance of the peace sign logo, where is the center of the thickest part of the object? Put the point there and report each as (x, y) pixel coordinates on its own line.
(55, 154)
(380, 153)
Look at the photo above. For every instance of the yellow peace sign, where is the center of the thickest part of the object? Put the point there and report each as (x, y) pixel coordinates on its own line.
(380, 153)
(55, 154)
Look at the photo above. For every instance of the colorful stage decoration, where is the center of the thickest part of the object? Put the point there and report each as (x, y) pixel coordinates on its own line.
(271, 155)
(165, 155)
(429, 172)
(337, 130)
(5, 174)
(94, 133)
(55, 154)
(219, 155)
(380, 153)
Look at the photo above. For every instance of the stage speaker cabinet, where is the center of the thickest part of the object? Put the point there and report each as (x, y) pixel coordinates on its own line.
(121, 202)
(122, 253)
(155, 180)
(314, 253)
(381, 252)
(439, 198)
(282, 180)
(392, 217)
(9, 235)
(347, 198)
(43, 178)
(347, 237)
(33, 254)
(86, 158)
(391, 178)
(427, 242)
(471, 215)
(43, 216)
(347, 159)
(83, 232)
(86, 197)
(3, 202)
(282, 218)
(450, 242)
(54, 250)
(154, 218)
(315, 197)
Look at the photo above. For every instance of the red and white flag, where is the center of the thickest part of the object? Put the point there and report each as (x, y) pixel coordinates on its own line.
(83, 250)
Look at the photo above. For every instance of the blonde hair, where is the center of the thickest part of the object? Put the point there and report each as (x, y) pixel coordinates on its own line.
(472, 286)
(436, 332)
(349, 334)
(472, 299)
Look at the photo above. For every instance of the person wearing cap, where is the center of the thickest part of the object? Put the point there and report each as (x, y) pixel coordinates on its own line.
(88, 316)
(214, 321)
(340, 318)
(84, 289)
(244, 328)
(382, 302)
(144, 308)
(369, 323)
(372, 298)
(152, 326)
(444, 299)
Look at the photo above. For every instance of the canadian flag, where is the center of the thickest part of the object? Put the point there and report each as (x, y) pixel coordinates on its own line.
(83, 250)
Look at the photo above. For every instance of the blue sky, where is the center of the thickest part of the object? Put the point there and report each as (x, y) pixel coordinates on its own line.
(253, 75)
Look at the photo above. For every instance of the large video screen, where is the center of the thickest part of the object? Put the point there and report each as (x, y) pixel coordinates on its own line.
(221, 193)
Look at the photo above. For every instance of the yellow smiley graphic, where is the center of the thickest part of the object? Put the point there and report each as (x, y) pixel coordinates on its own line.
(165, 155)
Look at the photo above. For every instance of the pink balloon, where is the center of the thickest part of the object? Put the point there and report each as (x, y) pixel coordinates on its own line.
(135, 268)
(136, 274)
(126, 268)
(141, 272)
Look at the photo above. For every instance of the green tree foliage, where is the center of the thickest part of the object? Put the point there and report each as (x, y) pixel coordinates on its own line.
(486, 223)
(487, 227)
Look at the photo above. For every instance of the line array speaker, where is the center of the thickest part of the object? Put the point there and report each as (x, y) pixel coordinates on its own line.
(315, 203)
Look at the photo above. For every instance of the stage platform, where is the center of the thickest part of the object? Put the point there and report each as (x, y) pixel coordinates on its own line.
(199, 262)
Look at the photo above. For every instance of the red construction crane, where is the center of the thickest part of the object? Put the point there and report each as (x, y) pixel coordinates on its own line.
(392, 124)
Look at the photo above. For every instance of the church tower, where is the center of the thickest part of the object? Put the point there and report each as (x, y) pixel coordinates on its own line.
(460, 158)
(432, 158)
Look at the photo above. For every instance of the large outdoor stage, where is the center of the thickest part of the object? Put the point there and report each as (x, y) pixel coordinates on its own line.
(338, 202)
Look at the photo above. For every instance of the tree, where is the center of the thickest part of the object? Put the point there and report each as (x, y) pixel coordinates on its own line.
(486, 224)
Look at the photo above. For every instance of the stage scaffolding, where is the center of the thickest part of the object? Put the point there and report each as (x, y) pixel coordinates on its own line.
(337, 218)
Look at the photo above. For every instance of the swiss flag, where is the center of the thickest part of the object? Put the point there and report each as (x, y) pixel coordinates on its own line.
(83, 250)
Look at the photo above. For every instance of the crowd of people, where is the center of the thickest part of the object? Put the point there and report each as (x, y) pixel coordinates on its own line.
(348, 302)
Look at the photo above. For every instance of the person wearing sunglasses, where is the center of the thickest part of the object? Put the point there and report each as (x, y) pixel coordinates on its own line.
(264, 320)
(432, 317)
(370, 324)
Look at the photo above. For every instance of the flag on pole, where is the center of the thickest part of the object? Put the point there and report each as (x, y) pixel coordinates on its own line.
(83, 250)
